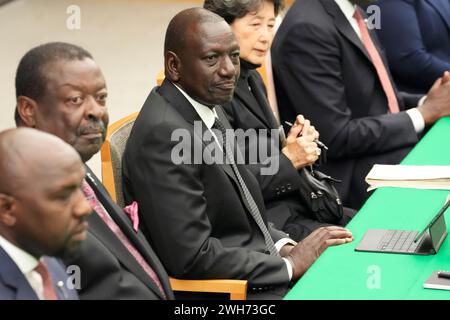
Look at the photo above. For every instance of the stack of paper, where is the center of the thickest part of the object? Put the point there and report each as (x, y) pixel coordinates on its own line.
(418, 177)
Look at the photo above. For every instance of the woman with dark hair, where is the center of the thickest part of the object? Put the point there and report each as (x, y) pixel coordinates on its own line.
(253, 23)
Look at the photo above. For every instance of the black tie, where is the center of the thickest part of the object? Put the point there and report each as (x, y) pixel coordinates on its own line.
(248, 199)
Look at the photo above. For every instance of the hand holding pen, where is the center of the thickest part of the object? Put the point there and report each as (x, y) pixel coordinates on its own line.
(318, 142)
(300, 149)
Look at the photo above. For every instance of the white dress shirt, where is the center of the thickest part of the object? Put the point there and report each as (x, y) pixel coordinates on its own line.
(207, 114)
(348, 9)
(26, 264)
(208, 117)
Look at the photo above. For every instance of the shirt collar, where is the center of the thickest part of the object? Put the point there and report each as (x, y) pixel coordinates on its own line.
(347, 8)
(207, 114)
(24, 261)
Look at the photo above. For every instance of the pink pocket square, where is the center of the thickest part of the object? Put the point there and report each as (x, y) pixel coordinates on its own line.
(132, 212)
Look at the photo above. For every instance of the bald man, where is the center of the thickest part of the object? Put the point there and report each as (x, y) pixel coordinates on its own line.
(204, 216)
(42, 213)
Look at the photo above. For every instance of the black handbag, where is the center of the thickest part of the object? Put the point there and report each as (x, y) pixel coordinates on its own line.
(320, 197)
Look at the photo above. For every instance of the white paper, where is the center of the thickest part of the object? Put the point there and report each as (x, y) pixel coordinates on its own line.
(404, 176)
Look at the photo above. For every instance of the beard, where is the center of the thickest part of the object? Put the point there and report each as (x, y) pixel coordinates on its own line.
(69, 251)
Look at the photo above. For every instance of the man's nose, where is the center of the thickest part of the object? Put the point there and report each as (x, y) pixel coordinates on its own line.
(227, 68)
(82, 206)
(94, 109)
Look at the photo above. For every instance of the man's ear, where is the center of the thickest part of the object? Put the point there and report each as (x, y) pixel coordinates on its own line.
(27, 108)
(172, 66)
(7, 210)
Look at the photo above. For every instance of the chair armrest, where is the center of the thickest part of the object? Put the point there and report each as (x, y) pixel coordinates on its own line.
(236, 288)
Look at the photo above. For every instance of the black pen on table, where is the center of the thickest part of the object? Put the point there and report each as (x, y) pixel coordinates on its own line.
(319, 143)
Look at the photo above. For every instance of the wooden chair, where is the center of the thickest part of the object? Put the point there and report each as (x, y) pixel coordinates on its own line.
(160, 77)
(111, 156)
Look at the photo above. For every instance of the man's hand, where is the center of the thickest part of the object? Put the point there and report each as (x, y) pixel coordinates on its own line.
(301, 151)
(437, 104)
(303, 255)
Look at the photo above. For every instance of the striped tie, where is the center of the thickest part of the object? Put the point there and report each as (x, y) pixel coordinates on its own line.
(248, 199)
(98, 208)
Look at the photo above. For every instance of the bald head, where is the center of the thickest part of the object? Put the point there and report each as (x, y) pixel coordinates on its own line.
(42, 208)
(202, 56)
(185, 24)
(30, 154)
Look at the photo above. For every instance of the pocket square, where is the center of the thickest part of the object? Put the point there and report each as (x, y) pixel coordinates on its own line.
(132, 212)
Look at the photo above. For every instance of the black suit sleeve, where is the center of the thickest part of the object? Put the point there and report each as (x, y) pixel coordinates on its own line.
(410, 100)
(277, 185)
(274, 171)
(276, 234)
(315, 76)
(172, 199)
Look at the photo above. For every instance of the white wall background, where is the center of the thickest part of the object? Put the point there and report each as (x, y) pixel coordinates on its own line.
(125, 37)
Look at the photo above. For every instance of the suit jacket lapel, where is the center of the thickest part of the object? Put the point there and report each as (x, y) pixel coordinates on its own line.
(260, 96)
(442, 9)
(182, 105)
(12, 277)
(156, 265)
(111, 241)
(59, 277)
(101, 231)
(344, 26)
(113, 209)
(245, 96)
(346, 29)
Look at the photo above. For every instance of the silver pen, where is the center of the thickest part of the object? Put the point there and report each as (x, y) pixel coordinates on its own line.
(319, 143)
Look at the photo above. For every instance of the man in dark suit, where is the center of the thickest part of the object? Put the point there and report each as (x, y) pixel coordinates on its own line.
(42, 215)
(416, 37)
(205, 216)
(250, 111)
(327, 66)
(61, 90)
